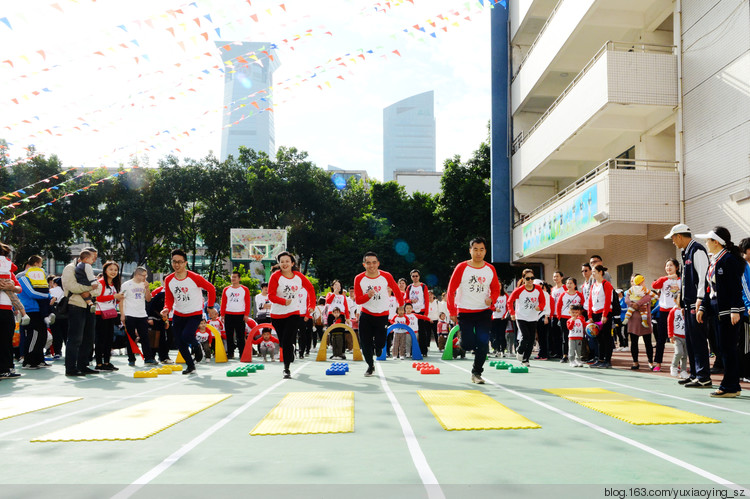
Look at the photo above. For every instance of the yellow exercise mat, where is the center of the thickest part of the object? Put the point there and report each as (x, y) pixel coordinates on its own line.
(136, 422)
(472, 410)
(629, 409)
(309, 412)
(15, 406)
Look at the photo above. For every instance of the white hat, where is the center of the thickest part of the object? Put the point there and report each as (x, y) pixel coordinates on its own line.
(538, 282)
(711, 235)
(678, 229)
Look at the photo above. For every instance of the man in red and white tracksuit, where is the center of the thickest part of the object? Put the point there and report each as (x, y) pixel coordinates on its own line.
(235, 310)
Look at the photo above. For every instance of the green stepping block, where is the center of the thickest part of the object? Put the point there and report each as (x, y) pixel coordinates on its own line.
(503, 365)
(519, 369)
(236, 374)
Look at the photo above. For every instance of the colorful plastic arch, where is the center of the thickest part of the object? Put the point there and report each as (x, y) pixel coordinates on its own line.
(323, 346)
(416, 353)
(448, 351)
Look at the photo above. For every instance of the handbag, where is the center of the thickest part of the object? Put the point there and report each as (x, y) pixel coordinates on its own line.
(109, 313)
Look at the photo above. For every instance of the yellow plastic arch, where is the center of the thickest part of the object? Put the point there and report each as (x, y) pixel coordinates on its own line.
(220, 355)
(323, 346)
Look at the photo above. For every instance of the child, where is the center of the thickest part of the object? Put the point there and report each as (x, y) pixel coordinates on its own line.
(635, 294)
(457, 350)
(6, 270)
(267, 344)
(215, 321)
(399, 335)
(676, 330)
(576, 327)
(38, 281)
(413, 323)
(443, 329)
(202, 335)
(85, 275)
(337, 335)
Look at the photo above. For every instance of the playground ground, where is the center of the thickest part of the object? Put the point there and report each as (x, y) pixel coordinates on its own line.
(397, 449)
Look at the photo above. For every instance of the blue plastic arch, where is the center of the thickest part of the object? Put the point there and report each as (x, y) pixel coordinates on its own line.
(416, 353)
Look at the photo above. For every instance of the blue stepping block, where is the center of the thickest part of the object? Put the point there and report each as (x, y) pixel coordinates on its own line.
(337, 369)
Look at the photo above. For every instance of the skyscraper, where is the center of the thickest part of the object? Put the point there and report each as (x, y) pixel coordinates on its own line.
(247, 95)
(409, 135)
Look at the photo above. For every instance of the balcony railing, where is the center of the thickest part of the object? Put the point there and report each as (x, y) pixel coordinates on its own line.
(538, 36)
(610, 164)
(608, 46)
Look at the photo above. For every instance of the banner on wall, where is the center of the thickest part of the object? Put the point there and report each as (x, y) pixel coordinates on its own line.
(564, 220)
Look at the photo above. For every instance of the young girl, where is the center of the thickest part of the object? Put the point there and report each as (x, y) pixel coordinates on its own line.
(565, 301)
(215, 321)
(669, 285)
(500, 317)
(676, 331)
(443, 330)
(399, 335)
(203, 337)
(574, 329)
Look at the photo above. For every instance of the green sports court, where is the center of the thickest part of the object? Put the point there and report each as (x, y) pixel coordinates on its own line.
(398, 446)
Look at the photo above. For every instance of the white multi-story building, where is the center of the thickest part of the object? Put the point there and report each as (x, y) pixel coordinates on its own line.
(409, 135)
(248, 97)
(627, 118)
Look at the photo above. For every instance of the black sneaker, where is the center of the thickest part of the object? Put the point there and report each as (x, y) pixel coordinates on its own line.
(369, 371)
(685, 381)
(696, 383)
(189, 371)
(9, 375)
(110, 367)
(88, 370)
(287, 374)
(75, 373)
(564, 360)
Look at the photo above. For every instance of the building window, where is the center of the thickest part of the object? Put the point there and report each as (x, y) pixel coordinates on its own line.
(624, 272)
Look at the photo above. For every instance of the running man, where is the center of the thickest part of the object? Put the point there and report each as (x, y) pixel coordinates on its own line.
(183, 292)
(235, 310)
(371, 293)
(472, 290)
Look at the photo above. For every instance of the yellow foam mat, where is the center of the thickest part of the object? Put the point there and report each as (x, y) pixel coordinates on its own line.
(626, 408)
(15, 406)
(472, 410)
(309, 412)
(136, 422)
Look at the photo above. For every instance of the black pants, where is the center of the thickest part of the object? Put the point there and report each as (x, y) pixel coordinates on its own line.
(59, 334)
(81, 326)
(139, 325)
(105, 332)
(36, 338)
(7, 328)
(317, 335)
(728, 336)
(184, 331)
(604, 339)
(286, 330)
(372, 335)
(555, 340)
(475, 335)
(234, 325)
(433, 330)
(646, 342)
(497, 336)
(304, 336)
(563, 324)
(528, 335)
(542, 333)
(662, 334)
(425, 331)
(712, 328)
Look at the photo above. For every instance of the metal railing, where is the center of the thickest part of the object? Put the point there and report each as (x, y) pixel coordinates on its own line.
(536, 39)
(608, 46)
(610, 164)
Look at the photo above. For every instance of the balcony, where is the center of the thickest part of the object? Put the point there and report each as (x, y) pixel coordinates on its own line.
(571, 32)
(622, 92)
(618, 197)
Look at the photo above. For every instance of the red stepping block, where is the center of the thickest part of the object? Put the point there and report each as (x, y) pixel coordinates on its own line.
(430, 370)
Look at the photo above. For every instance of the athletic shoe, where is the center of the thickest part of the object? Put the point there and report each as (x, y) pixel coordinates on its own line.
(287, 374)
(43, 364)
(131, 364)
(56, 357)
(188, 371)
(578, 364)
(25, 320)
(684, 375)
(151, 362)
(656, 369)
(476, 378)
(88, 370)
(526, 364)
(369, 371)
(674, 372)
(102, 367)
(9, 375)
(722, 394)
(564, 360)
(29, 367)
(519, 356)
(167, 361)
(538, 357)
(686, 380)
(110, 367)
(75, 373)
(696, 383)
(51, 318)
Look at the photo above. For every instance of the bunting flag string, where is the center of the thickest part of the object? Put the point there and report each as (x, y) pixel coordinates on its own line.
(17, 193)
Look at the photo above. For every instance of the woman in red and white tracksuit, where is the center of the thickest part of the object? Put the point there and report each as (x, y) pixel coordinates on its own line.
(336, 299)
(600, 311)
(526, 304)
(669, 285)
(571, 296)
(283, 291)
(500, 317)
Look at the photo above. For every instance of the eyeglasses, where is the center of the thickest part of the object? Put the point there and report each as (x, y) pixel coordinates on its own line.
(178, 262)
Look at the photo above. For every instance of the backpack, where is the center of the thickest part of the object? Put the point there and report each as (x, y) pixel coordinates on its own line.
(616, 310)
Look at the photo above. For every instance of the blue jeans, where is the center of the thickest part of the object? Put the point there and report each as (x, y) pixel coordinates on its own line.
(475, 335)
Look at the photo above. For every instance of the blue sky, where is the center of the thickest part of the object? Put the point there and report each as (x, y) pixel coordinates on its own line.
(142, 74)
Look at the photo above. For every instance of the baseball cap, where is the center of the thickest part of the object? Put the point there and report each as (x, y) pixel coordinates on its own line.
(678, 229)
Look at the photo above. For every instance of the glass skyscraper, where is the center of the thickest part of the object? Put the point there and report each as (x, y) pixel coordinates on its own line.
(409, 135)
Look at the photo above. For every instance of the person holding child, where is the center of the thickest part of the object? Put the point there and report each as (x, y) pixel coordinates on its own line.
(81, 318)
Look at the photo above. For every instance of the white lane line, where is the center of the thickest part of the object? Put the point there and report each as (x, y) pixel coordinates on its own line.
(677, 462)
(182, 451)
(697, 402)
(87, 409)
(429, 480)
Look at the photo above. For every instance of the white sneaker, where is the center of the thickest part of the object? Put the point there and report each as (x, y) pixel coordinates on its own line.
(525, 364)
(674, 372)
(519, 356)
(25, 320)
(684, 375)
(167, 361)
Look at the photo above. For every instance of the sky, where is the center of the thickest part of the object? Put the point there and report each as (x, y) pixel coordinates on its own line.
(106, 82)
